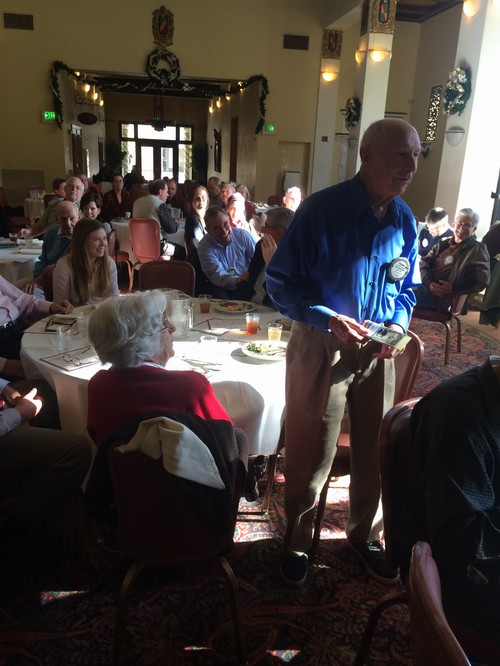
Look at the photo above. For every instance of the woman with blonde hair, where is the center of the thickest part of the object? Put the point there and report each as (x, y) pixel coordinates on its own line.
(87, 274)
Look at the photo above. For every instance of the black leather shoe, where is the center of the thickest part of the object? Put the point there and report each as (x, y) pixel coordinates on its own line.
(372, 555)
(293, 569)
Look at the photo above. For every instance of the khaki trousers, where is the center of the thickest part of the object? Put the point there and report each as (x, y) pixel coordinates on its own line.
(322, 377)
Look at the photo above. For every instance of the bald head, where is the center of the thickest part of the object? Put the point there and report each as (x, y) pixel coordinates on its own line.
(67, 215)
(389, 153)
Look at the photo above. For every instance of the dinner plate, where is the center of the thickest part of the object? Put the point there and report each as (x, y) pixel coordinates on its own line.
(271, 351)
(234, 307)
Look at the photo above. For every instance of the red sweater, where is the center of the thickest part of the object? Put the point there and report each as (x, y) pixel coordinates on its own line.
(118, 395)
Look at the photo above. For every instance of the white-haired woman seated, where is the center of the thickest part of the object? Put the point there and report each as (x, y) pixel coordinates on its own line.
(133, 334)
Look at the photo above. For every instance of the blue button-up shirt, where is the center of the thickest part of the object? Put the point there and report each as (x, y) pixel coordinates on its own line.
(223, 264)
(335, 259)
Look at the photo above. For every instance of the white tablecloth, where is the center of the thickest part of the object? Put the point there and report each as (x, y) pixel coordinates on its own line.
(251, 391)
(34, 208)
(15, 266)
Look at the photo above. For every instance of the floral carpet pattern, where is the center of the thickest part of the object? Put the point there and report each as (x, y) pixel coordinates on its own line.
(67, 617)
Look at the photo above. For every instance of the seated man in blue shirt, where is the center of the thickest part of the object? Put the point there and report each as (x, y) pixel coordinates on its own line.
(350, 255)
(224, 254)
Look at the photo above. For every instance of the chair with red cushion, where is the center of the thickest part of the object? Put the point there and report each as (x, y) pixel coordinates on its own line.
(168, 274)
(160, 524)
(433, 641)
(120, 257)
(145, 239)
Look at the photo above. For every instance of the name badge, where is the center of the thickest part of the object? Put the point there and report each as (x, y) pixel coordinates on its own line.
(448, 260)
(398, 269)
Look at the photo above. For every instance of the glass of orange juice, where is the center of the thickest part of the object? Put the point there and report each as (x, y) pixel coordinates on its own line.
(252, 319)
(274, 330)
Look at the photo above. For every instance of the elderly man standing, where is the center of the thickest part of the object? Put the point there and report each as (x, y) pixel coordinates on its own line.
(154, 206)
(349, 256)
(74, 190)
(459, 264)
(292, 198)
(224, 253)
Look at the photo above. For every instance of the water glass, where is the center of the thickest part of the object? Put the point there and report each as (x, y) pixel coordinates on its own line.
(205, 301)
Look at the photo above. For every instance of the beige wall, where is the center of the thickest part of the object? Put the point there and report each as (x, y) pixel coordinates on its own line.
(120, 40)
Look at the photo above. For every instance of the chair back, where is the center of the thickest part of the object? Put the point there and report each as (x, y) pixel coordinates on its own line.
(406, 367)
(34, 191)
(145, 238)
(112, 244)
(46, 282)
(164, 274)
(48, 198)
(157, 521)
(274, 200)
(394, 432)
(433, 642)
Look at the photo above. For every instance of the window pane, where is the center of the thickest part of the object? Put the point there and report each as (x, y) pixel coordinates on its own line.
(185, 133)
(167, 162)
(147, 132)
(185, 158)
(128, 131)
(147, 161)
(129, 161)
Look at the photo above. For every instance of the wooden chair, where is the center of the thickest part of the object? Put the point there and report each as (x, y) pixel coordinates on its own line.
(275, 200)
(46, 282)
(158, 525)
(34, 191)
(163, 274)
(48, 198)
(446, 319)
(120, 257)
(407, 366)
(145, 239)
(433, 641)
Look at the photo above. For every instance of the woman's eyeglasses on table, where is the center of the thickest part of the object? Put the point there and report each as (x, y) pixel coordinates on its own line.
(75, 360)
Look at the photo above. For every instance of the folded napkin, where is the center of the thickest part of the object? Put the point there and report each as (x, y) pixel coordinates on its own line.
(183, 452)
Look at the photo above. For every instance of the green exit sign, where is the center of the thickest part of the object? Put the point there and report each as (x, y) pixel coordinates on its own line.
(269, 128)
(48, 116)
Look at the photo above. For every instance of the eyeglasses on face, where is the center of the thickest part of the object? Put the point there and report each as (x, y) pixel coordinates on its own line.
(167, 325)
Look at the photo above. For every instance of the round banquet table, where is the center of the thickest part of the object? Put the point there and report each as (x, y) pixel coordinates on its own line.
(251, 390)
(16, 266)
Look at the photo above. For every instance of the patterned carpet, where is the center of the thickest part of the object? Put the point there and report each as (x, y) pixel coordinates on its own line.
(67, 618)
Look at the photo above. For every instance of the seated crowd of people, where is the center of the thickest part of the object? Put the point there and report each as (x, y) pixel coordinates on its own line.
(449, 492)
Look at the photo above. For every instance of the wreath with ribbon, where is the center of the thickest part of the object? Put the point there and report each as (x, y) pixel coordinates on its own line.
(161, 74)
(457, 91)
(352, 112)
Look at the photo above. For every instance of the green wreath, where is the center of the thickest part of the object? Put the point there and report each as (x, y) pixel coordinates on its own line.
(352, 112)
(457, 91)
(163, 75)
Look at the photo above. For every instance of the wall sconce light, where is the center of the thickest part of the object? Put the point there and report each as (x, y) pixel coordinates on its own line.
(228, 96)
(378, 55)
(359, 56)
(218, 103)
(329, 69)
(329, 76)
(352, 141)
(471, 7)
(454, 135)
(211, 108)
(86, 87)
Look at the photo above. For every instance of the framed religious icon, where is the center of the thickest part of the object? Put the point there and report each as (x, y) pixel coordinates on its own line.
(163, 27)
(383, 16)
(332, 44)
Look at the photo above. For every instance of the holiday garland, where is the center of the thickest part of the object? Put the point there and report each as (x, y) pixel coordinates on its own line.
(457, 91)
(159, 77)
(352, 112)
